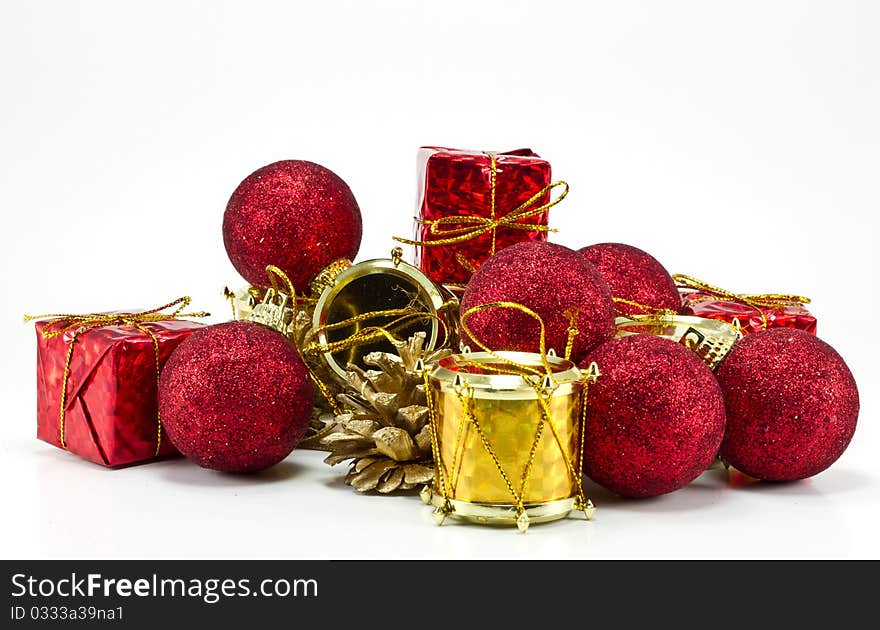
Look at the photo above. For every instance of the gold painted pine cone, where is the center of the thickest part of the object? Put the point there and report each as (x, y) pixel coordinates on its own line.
(384, 429)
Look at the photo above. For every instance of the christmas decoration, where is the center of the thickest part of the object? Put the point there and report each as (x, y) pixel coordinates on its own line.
(236, 397)
(710, 339)
(295, 214)
(567, 363)
(97, 378)
(638, 282)
(365, 306)
(505, 431)
(383, 430)
(473, 204)
(557, 283)
(654, 419)
(792, 405)
(748, 312)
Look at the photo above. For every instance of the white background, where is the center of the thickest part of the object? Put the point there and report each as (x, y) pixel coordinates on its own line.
(737, 142)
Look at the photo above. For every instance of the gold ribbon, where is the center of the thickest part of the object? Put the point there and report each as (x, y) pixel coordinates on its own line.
(757, 301)
(76, 324)
(458, 229)
(645, 308)
(517, 368)
(402, 317)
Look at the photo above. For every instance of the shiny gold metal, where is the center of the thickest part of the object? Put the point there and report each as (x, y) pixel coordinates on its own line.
(426, 495)
(275, 310)
(505, 515)
(710, 339)
(267, 306)
(493, 439)
(419, 367)
(327, 276)
(589, 510)
(243, 300)
(375, 286)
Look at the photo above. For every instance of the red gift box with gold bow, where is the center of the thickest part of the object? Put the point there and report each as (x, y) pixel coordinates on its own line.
(97, 382)
(472, 204)
(748, 312)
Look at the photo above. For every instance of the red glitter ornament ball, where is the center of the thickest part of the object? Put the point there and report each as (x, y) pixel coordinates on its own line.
(634, 275)
(549, 279)
(654, 418)
(235, 397)
(296, 215)
(792, 405)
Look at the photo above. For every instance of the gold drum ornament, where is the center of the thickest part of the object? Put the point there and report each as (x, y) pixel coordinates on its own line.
(507, 442)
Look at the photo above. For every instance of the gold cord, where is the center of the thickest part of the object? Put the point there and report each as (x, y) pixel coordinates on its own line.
(493, 178)
(435, 438)
(466, 227)
(646, 309)
(230, 297)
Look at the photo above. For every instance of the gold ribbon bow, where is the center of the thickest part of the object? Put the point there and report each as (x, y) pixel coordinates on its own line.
(76, 324)
(458, 229)
(757, 301)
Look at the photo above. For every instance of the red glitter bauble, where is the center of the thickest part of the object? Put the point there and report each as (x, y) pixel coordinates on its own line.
(549, 279)
(654, 418)
(296, 215)
(235, 397)
(634, 275)
(792, 405)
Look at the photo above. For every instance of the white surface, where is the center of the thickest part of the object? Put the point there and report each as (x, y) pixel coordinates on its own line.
(736, 142)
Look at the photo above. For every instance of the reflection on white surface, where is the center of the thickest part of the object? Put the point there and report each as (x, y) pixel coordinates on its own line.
(65, 507)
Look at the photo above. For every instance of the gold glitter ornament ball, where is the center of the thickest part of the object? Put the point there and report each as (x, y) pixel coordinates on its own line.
(552, 280)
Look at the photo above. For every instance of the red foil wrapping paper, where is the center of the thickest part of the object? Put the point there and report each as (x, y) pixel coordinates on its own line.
(454, 182)
(749, 317)
(111, 415)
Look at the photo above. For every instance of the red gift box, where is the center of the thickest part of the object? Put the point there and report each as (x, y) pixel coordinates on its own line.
(110, 413)
(752, 312)
(472, 204)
